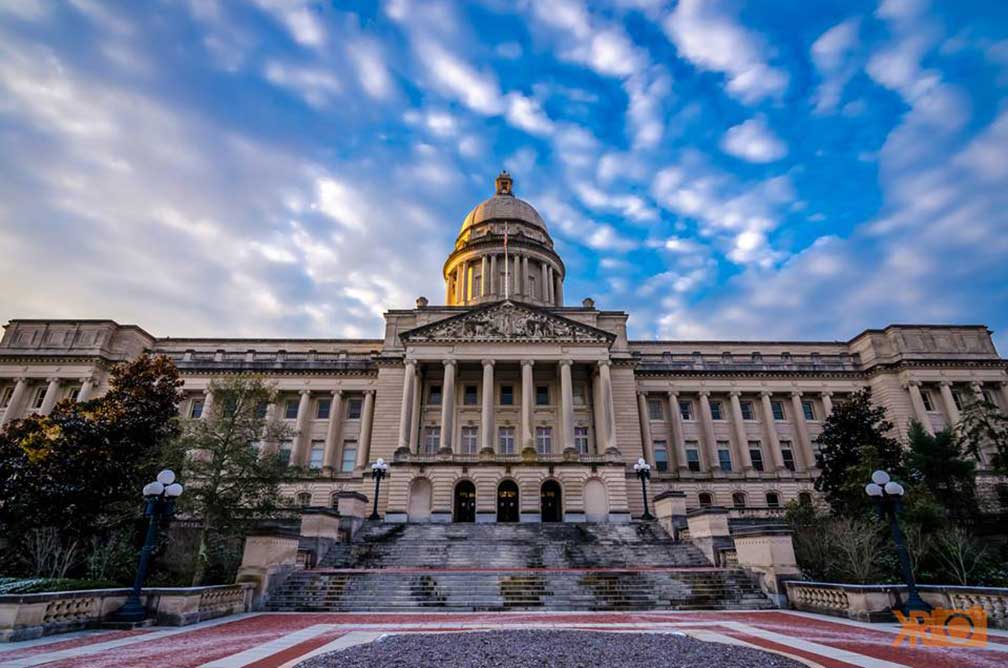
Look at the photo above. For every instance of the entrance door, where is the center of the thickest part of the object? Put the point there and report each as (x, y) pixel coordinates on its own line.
(507, 501)
(465, 502)
(550, 498)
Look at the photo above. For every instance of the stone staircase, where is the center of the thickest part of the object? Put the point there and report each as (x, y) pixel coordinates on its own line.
(466, 567)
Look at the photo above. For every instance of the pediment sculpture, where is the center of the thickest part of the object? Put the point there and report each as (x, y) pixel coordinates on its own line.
(508, 322)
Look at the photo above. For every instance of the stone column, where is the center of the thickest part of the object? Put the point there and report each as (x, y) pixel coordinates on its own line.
(771, 431)
(645, 425)
(559, 292)
(917, 401)
(407, 404)
(52, 392)
(526, 405)
(208, 399)
(17, 398)
(487, 414)
(459, 283)
(827, 404)
(607, 402)
(567, 403)
(950, 408)
(678, 438)
(299, 456)
(525, 276)
(333, 432)
(416, 413)
(86, 388)
(599, 413)
(550, 285)
(544, 296)
(807, 459)
(484, 276)
(1004, 397)
(448, 405)
(744, 458)
(516, 277)
(364, 440)
(270, 446)
(707, 431)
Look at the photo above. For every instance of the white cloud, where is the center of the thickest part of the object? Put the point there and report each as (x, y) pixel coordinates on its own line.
(525, 113)
(318, 87)
(374, 76)
(454, 77)
(754, 141)
(299, 18)
(831, 54)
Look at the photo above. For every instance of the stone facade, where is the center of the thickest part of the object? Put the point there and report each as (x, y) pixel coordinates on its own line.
(479, 404)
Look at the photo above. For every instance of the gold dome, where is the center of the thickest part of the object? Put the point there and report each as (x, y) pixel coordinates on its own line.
(503, 206)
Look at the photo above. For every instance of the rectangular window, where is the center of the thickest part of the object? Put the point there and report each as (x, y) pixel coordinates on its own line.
(431, 440)
(544, 440)
(322, 408)
(715, 410)
(349, 456)
(285, 451)
(39, 398)
(317, 453)
(724, 456)
(808, 409)
(747, 410)
(70, 393)
(542, 395)
(756, 455)
(353, 409)
(692, 456)
(661, 455)
(469, 397)
(686, 409)
(988, 397)
(434, 395)
(787, 455)
(654, 409)
(506, 439)
(470, 440)
(507, 395)
(5, 396)
(579, 394)
(957, 399)
(777, 407)
(926, 399)
(581, 440)
(291, 409)
(196, 408)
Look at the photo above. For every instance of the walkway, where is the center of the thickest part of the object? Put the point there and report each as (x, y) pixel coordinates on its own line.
(280, 640)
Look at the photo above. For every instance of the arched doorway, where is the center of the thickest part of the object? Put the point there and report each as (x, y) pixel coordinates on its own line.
(465, 502)
(551, 501)
(419, 507)
(596, 501)
(507, 501)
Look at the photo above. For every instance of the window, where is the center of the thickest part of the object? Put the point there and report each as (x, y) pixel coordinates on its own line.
(805, 499)
(434, 395)
(334, 500)
(772, 500)
(686, 409)
(705, 500)
(787, 455)
(724, 456)
(469, 395)
(756, 455)
(39, 398)
(507, 395)
(261, 409)
(285, 451)
(349, 456)
(988, 397)
(747, 410)
(957, 399)
(353, 409)
(196, 408)
(69, 393)
(579, 394)
(777, 408)
(738, 500)
(322, 408)
(715, 410)
(291, 409)
(542, 395)
(431, 440)
(661, 456)
(317, 453)
(926, 399)
(581, 440)
(229, 406)
(808, 409)
(304, 499)
(506, 439)
(469, 440)
(654, 409)
(5, 396)
(692, 456)
(544, 440)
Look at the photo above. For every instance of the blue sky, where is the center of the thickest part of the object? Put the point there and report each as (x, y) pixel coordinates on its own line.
(759, 170)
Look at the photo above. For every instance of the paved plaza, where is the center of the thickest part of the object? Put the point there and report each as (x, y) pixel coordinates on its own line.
(281, 640)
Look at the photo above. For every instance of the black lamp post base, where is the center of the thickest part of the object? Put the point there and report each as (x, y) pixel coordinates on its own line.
(915, 603)
(374, 516)
(647, 517)
(131, 612)
(113, 625)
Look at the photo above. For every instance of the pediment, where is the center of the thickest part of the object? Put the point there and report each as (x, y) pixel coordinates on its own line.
(508, 322)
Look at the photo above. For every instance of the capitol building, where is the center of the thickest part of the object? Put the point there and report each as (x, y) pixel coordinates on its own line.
(507, 403)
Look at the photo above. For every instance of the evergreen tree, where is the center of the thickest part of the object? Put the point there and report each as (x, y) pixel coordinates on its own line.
(937, 466)
(983, 428)
(854, 442)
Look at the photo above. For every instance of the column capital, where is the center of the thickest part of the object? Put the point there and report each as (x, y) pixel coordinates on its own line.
(766, 393)
(673, 394)
(602, 363)
(826, 393)
(525, 363)
(796, 394)
(53, 379)
(304, 392)
(207, 390)
(449, 362)
(945, 383)
(704, 393)
(371, 392)
(735, 393)
(487, 363)
(913, 382)
(338, 392)
(409, 361)
(565, 362)
(642, 394)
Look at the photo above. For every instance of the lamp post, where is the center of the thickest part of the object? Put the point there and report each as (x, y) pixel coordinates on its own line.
(643, 470)
(378, 471)
(887, 495)
(160, 498)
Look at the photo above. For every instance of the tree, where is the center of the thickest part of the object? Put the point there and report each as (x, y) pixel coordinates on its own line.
(855, 441)
(938, 467)
(983, 428)
(230, 481)
(78, 470)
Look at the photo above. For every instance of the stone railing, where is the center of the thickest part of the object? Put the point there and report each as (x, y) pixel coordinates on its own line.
(875, 602)
(754, 362)
(26, 616)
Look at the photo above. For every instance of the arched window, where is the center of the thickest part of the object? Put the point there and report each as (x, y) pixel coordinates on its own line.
(738, 500)
(772, 500)
(304, 499)
(705, 500)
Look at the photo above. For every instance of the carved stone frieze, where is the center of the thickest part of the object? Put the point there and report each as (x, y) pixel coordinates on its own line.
(508, 322)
